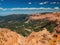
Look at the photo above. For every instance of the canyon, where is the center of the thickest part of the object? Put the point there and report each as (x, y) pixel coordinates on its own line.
(41, 37)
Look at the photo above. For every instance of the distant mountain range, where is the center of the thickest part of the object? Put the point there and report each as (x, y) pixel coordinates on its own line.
(13, 17)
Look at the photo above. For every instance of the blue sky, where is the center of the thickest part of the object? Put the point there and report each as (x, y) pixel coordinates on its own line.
(28, 6)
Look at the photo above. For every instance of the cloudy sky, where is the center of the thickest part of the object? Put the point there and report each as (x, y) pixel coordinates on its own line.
(28, 6)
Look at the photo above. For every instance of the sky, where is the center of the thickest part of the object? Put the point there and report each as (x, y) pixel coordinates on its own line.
(8, 7)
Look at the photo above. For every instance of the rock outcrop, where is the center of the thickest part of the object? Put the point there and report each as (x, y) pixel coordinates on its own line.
(8, 37)
(39, 38)
(55, 16)
(43, 37)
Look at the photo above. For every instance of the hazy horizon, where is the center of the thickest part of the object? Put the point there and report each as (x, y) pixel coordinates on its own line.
(4, 13)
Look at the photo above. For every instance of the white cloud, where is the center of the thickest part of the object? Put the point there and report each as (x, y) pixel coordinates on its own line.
(29, 3)
(41, 3)
(56, 7)
(22, 8)
(41, 8)
(54, 2)
(45, 2)
(30, 8)
(3, 9)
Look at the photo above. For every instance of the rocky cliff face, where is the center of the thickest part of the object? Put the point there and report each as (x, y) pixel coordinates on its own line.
(55, 16)
(43, 37)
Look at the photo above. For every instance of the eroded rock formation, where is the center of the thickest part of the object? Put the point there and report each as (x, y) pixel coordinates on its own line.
(43, 37)
(55, 16)
(39, 38)
(8, 37)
